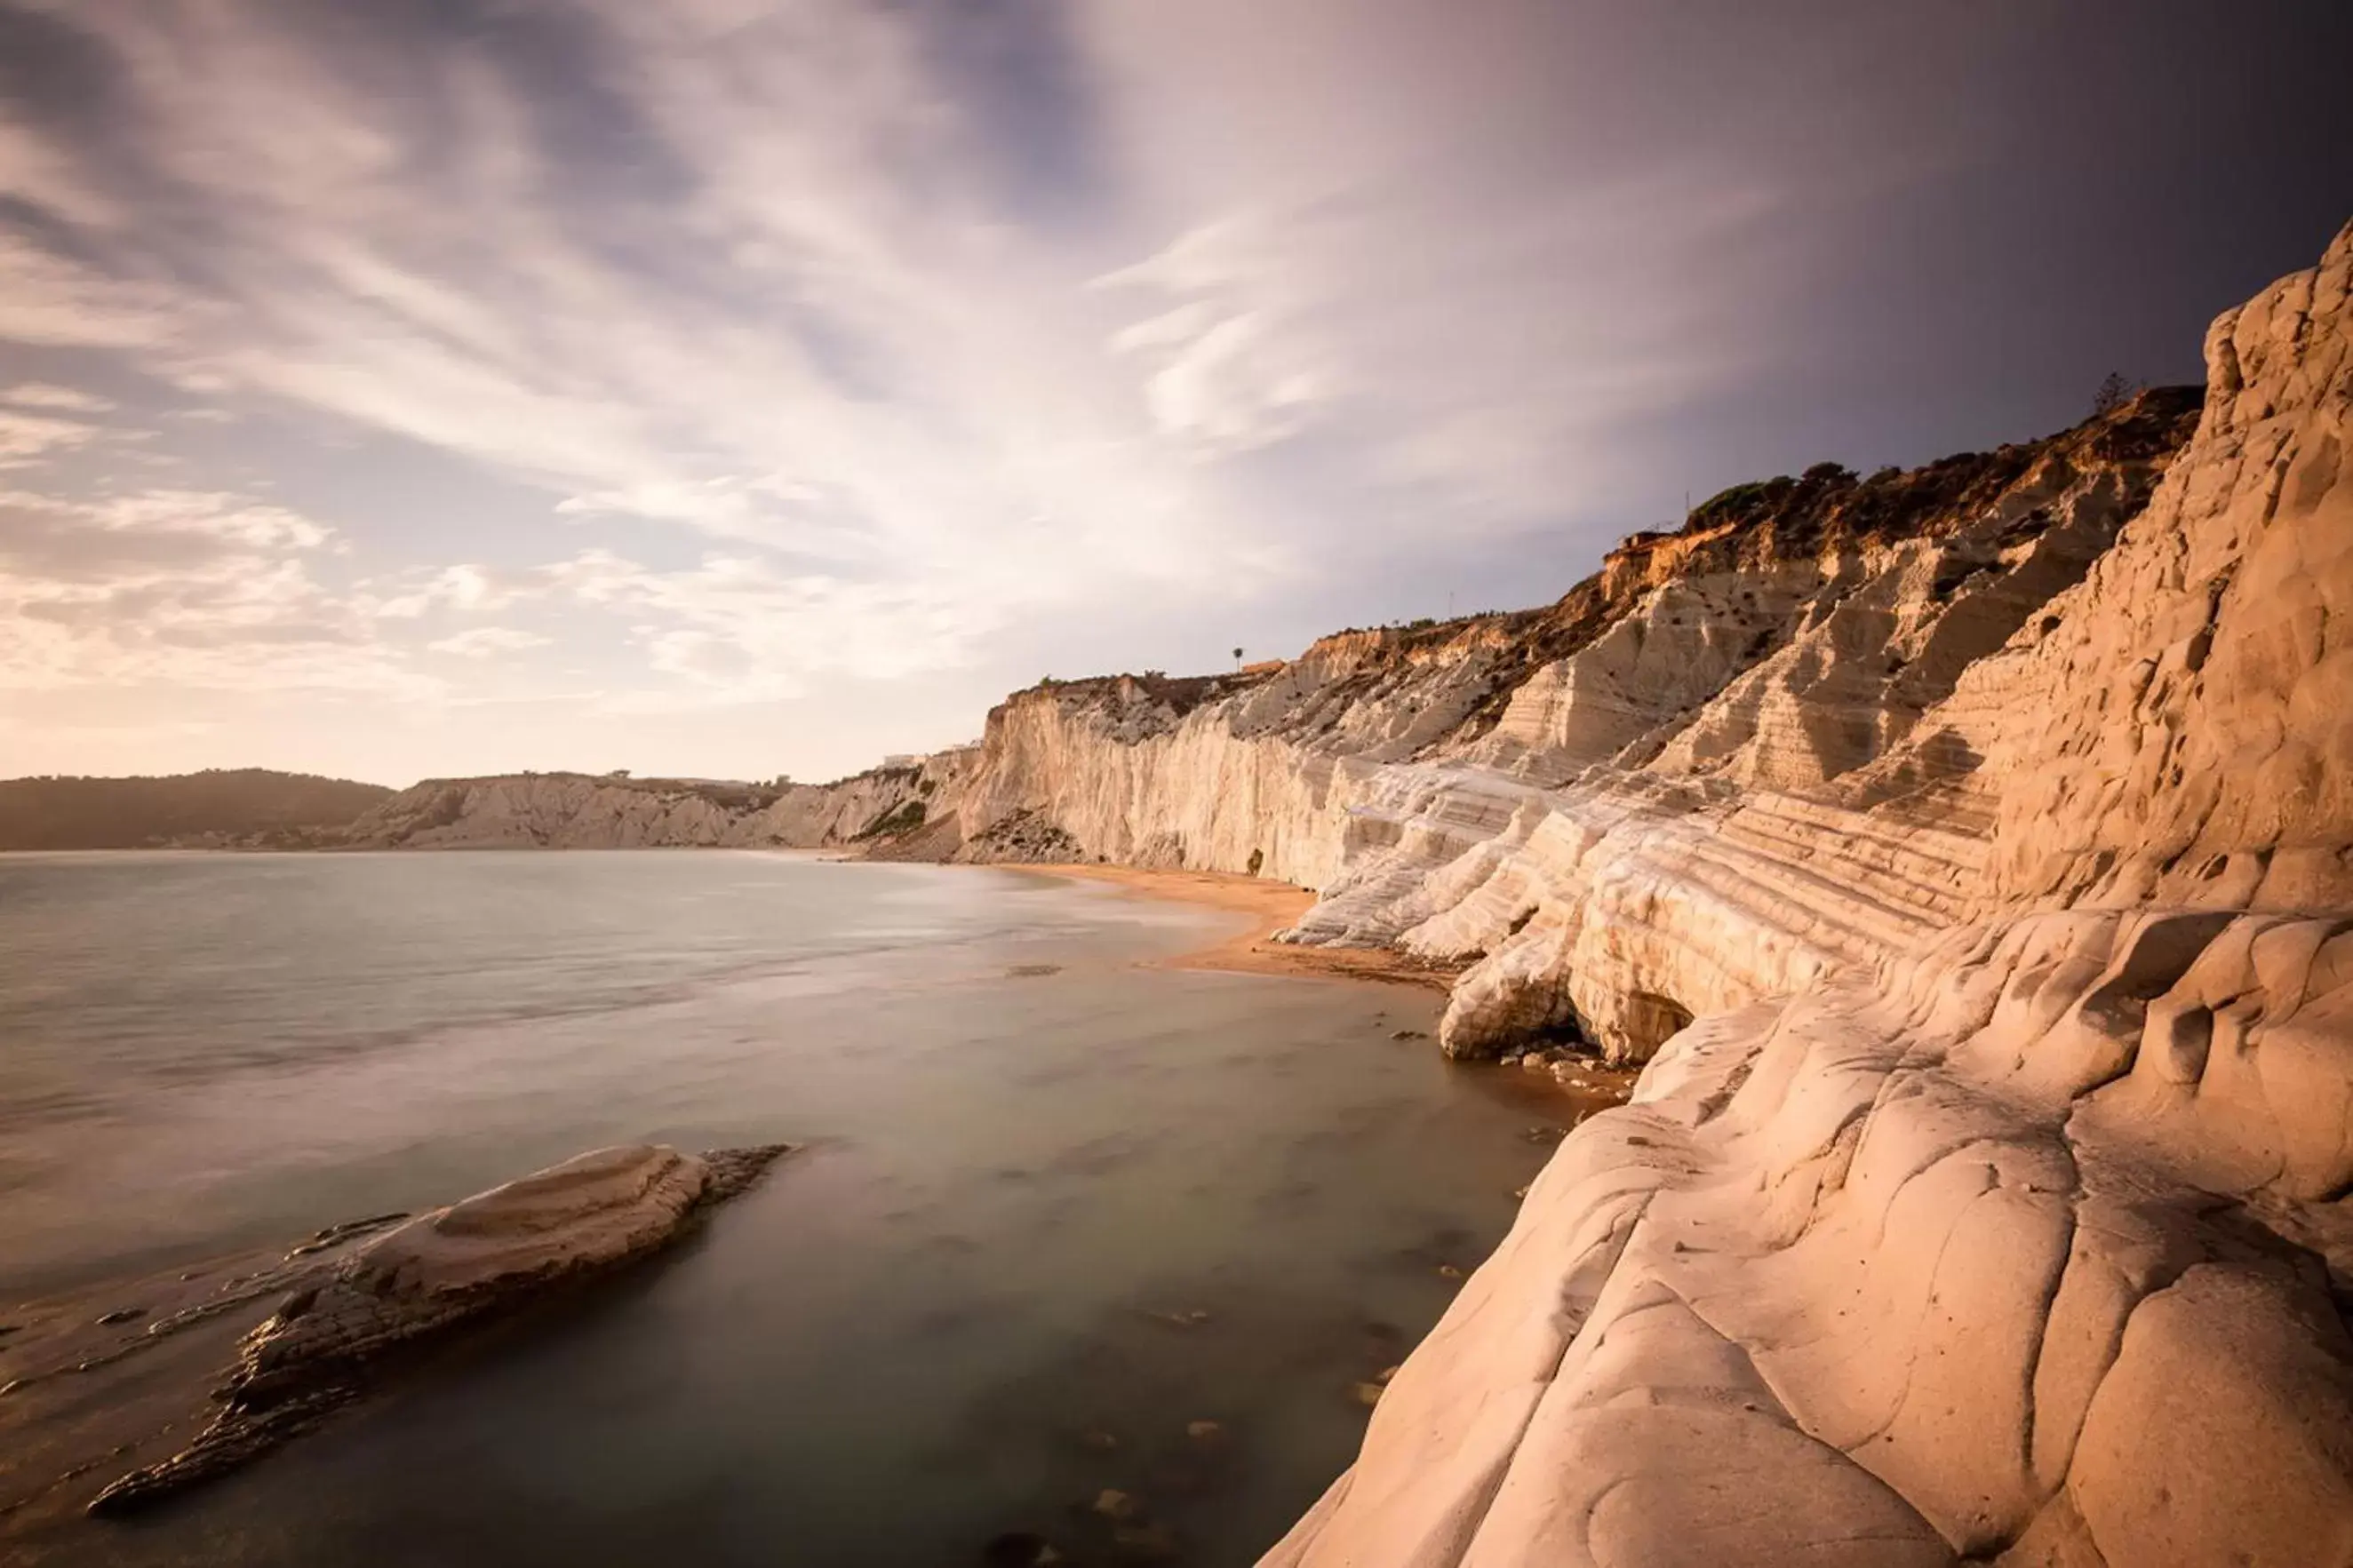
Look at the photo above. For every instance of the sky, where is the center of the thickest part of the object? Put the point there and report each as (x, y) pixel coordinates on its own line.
(730, 388)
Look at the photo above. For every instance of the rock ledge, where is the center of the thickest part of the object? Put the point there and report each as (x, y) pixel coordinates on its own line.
(318, 1350)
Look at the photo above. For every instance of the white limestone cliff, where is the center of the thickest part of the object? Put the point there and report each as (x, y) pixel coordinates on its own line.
(1995, 1207)
(1970, 1257)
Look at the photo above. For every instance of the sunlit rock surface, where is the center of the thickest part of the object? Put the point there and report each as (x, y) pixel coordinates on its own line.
(1995, 1207)
(338, 1314)
(1980, 1255)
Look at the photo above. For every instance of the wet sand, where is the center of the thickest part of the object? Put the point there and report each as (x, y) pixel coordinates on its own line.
(1587, 1083)
(1273, 906)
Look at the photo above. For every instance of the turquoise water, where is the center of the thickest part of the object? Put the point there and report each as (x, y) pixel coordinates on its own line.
(1045, 1220)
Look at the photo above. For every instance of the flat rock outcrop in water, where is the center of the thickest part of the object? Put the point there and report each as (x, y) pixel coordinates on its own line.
(492, 1251)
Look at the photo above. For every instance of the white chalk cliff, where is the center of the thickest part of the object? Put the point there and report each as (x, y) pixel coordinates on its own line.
(1970, 853)
(1995, 1207)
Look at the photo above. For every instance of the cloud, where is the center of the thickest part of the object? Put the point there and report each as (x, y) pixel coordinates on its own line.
(1217, 376)
(747, 346)
(43, 533)
(808, 331)
(48, 299)
(737, 629)
(486, 642)
(28, 438)
(465, 587)
(853, 335)
(1492, 351)
(46, 394)
(848, 340)
(732, 628)
(175, 588)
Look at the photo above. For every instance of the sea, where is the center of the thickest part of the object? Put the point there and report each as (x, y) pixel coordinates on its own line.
(1082, 1246)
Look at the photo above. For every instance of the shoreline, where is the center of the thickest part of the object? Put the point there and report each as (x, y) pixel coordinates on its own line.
(1273, 906)
(1171, 1369)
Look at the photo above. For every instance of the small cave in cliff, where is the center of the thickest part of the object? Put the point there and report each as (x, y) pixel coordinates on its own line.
(1649, 1021)
(1568, 1033)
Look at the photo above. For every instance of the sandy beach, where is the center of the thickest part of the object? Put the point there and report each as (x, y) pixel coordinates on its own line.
(1273, 907)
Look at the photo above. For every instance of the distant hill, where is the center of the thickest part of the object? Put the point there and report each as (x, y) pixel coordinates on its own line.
(219, 806)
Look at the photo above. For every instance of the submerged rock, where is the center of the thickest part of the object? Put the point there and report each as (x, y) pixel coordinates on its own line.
(1146, 1542)
(1018, 1549)
(1191, 1318)
(492, 1251)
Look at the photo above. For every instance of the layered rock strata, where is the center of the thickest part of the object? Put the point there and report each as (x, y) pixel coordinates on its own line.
(1793, 631)
(1995, 1207)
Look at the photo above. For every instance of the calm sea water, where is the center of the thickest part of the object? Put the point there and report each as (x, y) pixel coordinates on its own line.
(1046, 1220)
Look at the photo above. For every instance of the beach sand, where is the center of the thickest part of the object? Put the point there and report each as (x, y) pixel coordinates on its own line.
(1273, 907)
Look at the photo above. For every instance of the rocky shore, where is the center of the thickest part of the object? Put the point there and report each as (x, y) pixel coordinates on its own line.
(1274, 908)
(100, 1389)
(1968, 852)
(1993, 1207)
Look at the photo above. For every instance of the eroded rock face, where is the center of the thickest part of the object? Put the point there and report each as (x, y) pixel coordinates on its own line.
(1994, 1209)
(1966, 1257)
(1792, 633)
(2193, 736)
(592, 1212)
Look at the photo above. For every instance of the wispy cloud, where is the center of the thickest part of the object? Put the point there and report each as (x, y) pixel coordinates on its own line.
(177, 588)
(1361, 312)
(24, 437)
(486, 642)
(808, 334)
(46, 395)
(758, 346)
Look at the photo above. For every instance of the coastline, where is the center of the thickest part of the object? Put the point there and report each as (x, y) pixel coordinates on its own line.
(1273, 907)
(1156, 1385)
